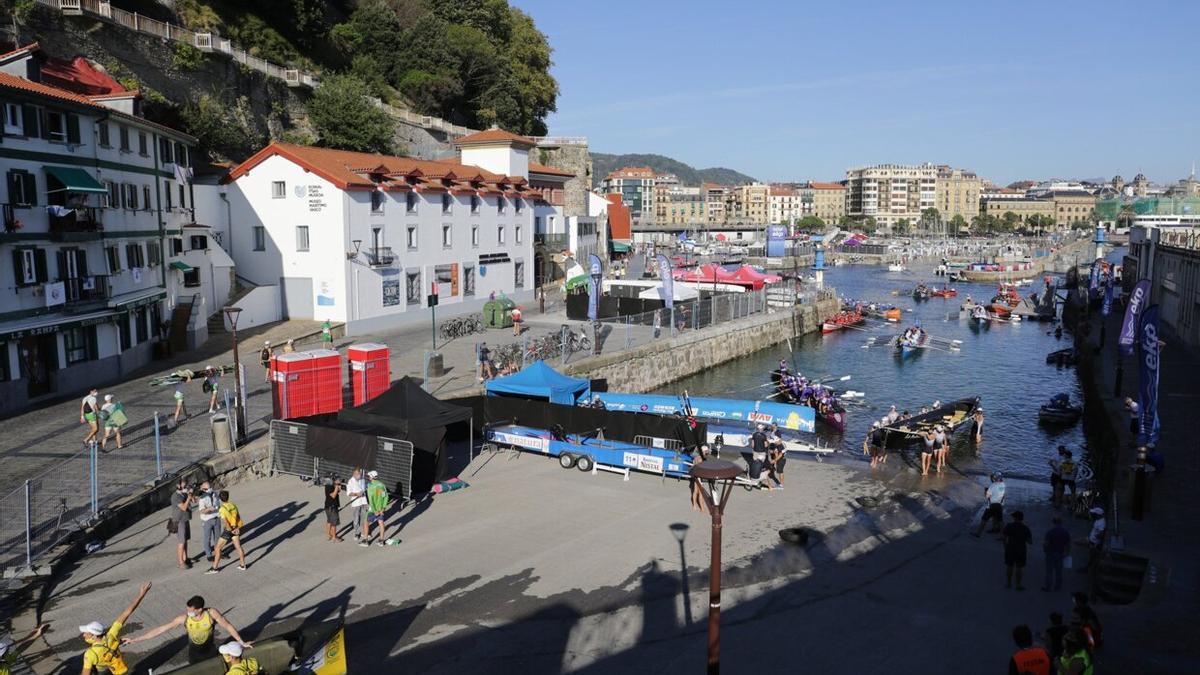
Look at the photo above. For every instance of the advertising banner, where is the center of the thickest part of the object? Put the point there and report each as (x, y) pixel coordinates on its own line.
(668, 282)
(1108, 297)
(1133, 312)
(1148, 389)
(596, 273)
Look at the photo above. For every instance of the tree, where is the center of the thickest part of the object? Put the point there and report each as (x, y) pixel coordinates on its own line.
(930, 217)
(345, 118)
(1010, 220)
(221, 132)
(848, 223)
(902, 226)
(870, 225)
(957, 224)
(811, 224)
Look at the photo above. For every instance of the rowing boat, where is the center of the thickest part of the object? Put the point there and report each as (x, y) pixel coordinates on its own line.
(951, 416)
(832, 413)
(841, 320)
(906, 349)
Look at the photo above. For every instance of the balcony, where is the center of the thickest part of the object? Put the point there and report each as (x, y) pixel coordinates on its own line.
(380, 256)
(554, 242)
(83, 220)
(87, 290)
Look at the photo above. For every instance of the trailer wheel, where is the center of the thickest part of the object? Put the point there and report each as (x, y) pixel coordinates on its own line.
(566, 460)
(584, 463)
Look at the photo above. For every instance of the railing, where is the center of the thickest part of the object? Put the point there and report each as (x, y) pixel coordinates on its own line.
(560, 140)
(87, 289)
(380, 255)
(82, 219)
(552, 241)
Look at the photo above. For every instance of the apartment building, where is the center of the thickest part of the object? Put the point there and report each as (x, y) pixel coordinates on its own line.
(716, 198)
(891, 192)
(826, 201)
(750, 204)
(364, 239)
(1072, 206)
(784, 204)
(682, 206)
(636, 187)
(957, 193)
(92, 189)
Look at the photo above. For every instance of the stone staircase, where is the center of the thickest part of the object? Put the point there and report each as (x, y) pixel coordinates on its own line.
(1120, 577)
(216, 322)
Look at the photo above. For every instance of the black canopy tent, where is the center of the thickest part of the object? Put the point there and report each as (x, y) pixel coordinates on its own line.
(404, 412)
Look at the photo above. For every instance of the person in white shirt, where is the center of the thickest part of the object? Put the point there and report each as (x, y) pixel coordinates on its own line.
(356, 490)
(210, 508)
(1095, 540)
(995, 509)
(1134, 414)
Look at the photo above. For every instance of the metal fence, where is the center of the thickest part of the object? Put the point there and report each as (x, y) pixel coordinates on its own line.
(289, 455)
(74, 494)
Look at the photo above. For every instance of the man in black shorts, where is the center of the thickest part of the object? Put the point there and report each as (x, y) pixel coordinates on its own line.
(777, 455)
(1016, 537)
(995, 508)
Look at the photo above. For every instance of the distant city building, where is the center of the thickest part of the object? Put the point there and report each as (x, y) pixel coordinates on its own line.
(680, 205)
(826, 201)
(784, 205)
(1023, 207)
(570, 154)
(890, 193)
(636, 187)
(716, 198)
(957, 193)
(751, 203)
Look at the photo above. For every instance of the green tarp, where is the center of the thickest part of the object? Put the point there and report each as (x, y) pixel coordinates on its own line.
(181, 266)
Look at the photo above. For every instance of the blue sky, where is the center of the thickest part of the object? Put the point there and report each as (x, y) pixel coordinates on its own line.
(798, 90)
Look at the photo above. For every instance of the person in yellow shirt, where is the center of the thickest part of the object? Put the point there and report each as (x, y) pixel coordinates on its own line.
(238, 664)
(103, 654)
(231, 525)
(10, 650)
(200, 622)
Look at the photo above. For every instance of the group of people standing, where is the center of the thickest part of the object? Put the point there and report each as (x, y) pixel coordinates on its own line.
(1065, 649)
(368, 498)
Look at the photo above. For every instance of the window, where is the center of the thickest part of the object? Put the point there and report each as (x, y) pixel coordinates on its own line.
(447, 235)
(123, 135)
(167, 205)
(474, 236)
(517, 233)
(131, 196)
(468, 280)
(410, 202)
(141, 322)
(447, 202)
(56, 126)
(142, 144)
(519, 274)
(146, 197)
(301, 238)
(474, 204)
(112, 199)
(134, 256)
(412, 285)
(13, 120)
(499, 204)
(113, 255)
(22, 188)
(176, 246)
(29, 266)
(191, 278)
(278, 189)
(500, 234)
(182, 196)
(260, 238)
(153, 253)
(164, 149)
(412, 237)
(80, 344)
(518, 204)
(102, 130)
(198, 242)
(376, 201)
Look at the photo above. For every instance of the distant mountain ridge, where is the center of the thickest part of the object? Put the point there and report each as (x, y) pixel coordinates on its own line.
(604, 164)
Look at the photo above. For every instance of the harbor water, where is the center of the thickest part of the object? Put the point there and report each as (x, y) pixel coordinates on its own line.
(1003, 364)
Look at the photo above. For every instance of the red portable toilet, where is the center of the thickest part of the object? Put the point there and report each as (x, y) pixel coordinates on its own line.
(327, 368)
(293, 386)
(370, 370)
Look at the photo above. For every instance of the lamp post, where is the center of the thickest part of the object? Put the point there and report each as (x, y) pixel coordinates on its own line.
(231, 313)
(712, 474)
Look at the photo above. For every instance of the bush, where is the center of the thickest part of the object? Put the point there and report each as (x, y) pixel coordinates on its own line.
(187, 57)
(220, 131)
(344, 117)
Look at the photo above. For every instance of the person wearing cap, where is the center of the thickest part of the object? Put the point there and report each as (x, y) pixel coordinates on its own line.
(113, 414)
(10, 649)
(233, 654)
(264, 357)
(231, 523)
(377, 502)
(212, 382)
(516, 319)
(327, 335)
(1095, 538)
(995, 509)
(103, 654)
(200, 622)
(289, 346)
(356, 491)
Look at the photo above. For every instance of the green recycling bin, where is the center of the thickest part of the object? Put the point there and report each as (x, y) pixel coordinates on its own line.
(496, 313)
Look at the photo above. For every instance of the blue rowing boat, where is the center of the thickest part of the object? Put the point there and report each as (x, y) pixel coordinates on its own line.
(726, 410)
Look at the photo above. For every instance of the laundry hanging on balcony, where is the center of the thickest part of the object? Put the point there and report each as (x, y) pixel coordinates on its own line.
(59, 211)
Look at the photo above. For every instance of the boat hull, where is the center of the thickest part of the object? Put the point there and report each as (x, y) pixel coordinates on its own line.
(953, 415)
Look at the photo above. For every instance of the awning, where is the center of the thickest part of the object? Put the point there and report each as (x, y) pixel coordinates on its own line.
(20, 328)
(181, 266)
(137, 299)
(75, 180)
(618, 247)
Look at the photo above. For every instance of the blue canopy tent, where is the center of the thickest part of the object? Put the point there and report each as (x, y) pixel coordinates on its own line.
(540, 381)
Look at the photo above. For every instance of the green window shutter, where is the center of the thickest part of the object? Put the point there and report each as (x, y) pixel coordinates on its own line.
(32, 121)
(30, 189)
(14, 189)
(18, 261)
(43, 123)
(73, 129)
(62, 263)
(39, 265)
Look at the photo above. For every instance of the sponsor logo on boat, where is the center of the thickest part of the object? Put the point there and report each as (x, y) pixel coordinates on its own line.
(760, 417)
(531, 442)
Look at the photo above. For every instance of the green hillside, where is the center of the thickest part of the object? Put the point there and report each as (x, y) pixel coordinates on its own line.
(603, 164)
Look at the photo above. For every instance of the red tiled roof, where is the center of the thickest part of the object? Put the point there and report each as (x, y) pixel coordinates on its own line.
(34, 47)
(782, 191)
(494, 136)
(826, 186)
(14, 82)
(550, 170)
(346, 169)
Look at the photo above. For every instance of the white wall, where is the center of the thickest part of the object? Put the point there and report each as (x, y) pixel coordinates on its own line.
(500, 159)
(261, 305)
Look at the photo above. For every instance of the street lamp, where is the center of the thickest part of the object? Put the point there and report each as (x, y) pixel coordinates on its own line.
(231, 313)
(716, 473)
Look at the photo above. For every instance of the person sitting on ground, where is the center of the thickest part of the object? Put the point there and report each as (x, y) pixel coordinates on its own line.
(103, 654)
(199, 622)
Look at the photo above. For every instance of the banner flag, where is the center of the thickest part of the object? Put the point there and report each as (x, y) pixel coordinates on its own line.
(596, 271)
(1108, 297)
(1148, 388)
(1133, 312)
(668, 282)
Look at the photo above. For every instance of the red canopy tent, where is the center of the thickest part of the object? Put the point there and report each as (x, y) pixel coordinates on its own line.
(711, 273)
